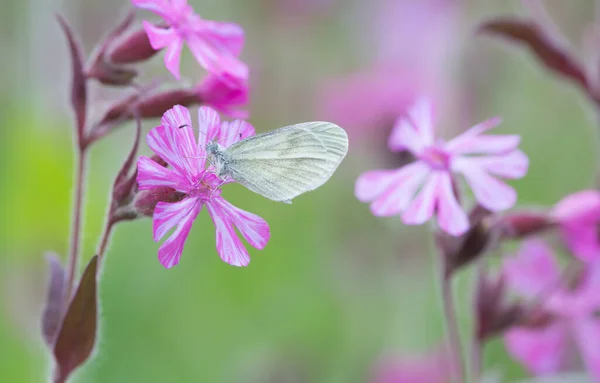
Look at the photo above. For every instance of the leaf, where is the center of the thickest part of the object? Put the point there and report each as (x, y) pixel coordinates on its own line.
(78, 85)
(546, 49)
(52, 315)
(77, 335)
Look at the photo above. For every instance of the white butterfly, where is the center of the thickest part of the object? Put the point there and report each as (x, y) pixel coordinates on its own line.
(283, 163)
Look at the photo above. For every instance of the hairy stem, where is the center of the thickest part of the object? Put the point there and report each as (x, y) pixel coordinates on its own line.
(453, 336)
(476, 359)
(476, 351)
(105, 237)
(76, 222)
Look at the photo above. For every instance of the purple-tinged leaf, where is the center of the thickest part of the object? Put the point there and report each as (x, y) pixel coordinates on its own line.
(53, 311)
(120, 28)
(124, 184)
(77, 335)
(546, 48)
(78, 85)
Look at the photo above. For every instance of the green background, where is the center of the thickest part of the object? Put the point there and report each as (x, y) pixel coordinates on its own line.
(335, 288)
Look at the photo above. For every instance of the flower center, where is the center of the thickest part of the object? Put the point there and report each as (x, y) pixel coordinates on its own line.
(436, 157)
(206, 187)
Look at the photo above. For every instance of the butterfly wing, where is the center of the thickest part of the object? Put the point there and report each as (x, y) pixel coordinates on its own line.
(289, 161)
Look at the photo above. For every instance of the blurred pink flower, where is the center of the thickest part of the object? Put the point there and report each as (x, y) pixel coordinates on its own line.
(544, 350)
(215, 45)
(174, 142)
(393, 191)
(435, 367)
(411, 43)
(223, 97)
(579, 217)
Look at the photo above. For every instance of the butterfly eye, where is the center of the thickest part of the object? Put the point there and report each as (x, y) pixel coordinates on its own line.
(182, 126)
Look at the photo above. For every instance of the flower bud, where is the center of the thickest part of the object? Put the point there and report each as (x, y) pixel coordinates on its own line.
(522, 224)
(145, 200)
(113, 75)
(460, 251)
(101, 68)
(494, 314)
(132, 48)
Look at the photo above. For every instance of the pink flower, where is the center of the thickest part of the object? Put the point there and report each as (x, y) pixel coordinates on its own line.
(174, 142)
(215, 45)
(222, 96)
(435, 367)
(579, 217)
(545, 350)
(476, 156)
(412, 45)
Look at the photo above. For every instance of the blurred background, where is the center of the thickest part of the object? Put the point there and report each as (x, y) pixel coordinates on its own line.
(336, 289)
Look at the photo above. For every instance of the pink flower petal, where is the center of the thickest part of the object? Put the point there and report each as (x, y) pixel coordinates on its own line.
(587, 334)
(168, 215)
(232, 71)
(401, 191)
(533, 269)
(405, 136)
(225, 37)
(487, 144)
(581, 206)
(582, 239)
(422, 207)
(252, 227)
(159, 7)
(370, 185)
(587, 292)
(209, 123)
(421, 114)
(491, 193)
(450, 216)
(434, 367)
(467, 141)
(511, 165)
(175, 118)
(179, 5)
(172, 57)
(159, 37)
(151, 175)
(216, 92)
(176, 145)
(540, 350)
(234, 131)
(230, 248)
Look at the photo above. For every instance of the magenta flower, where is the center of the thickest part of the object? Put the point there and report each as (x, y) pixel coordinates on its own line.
(174, 142)
(579, 217)
(435, 367)
(223, 97)
(215, 45)
(476, 156)
(412, 44)
(545, 350)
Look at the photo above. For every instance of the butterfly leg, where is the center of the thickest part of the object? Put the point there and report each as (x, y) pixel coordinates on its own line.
(218, 186)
